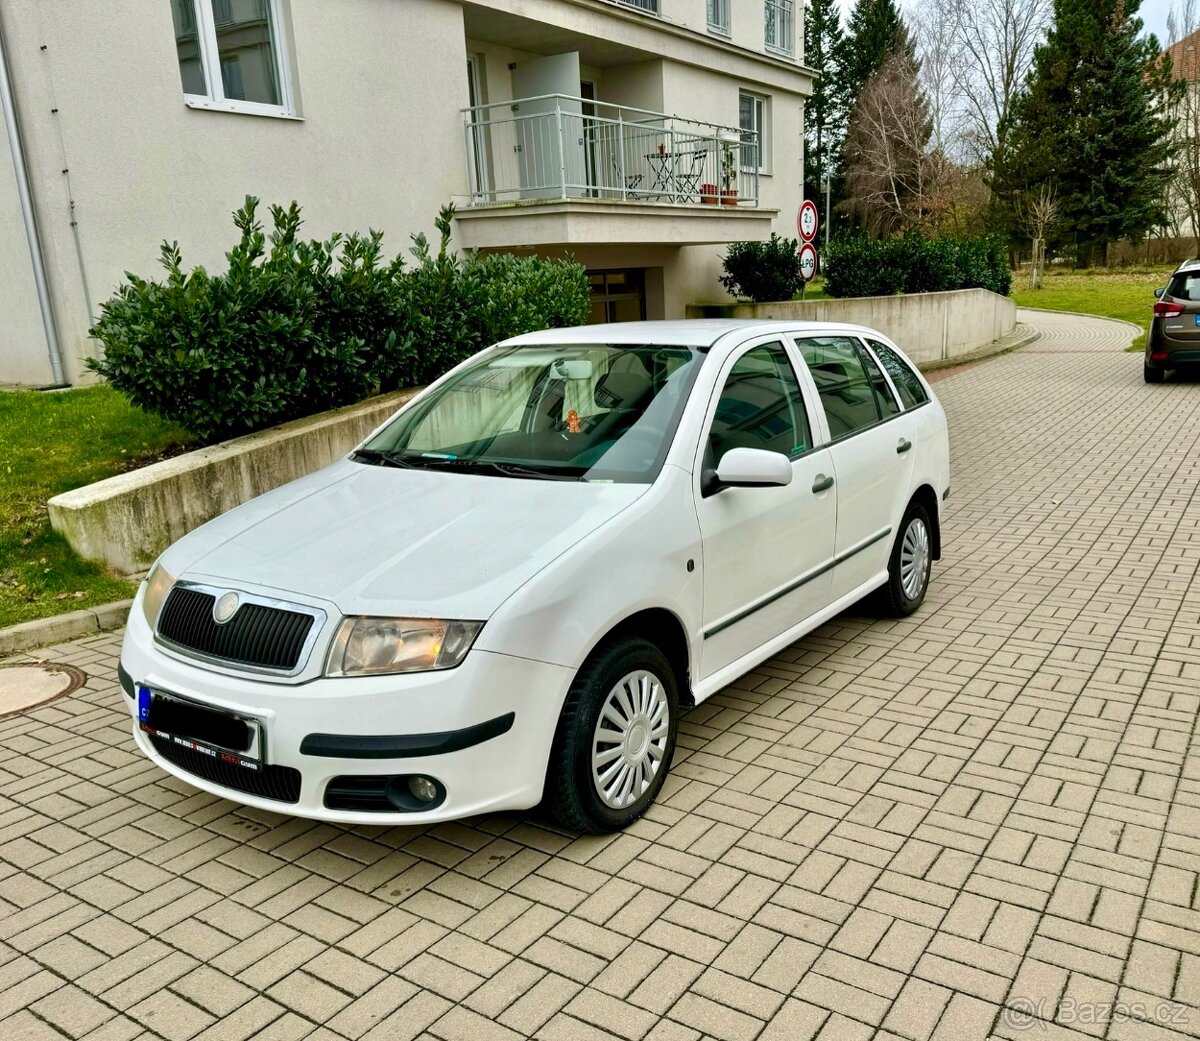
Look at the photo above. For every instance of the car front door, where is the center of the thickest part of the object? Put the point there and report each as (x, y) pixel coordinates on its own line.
(766, 550)
(871, 443)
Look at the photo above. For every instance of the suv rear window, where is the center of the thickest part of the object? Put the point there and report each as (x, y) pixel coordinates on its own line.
(1185, 286)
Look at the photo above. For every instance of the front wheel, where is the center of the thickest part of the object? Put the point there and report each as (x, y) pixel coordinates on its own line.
(615, 738)
(910, 564)
(1153, 375)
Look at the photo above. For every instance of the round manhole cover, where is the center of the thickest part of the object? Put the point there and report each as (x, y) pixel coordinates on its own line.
(23, 687)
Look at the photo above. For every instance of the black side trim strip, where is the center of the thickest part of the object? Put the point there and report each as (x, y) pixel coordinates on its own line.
(126, 680)
(802, 580)
(404, 746)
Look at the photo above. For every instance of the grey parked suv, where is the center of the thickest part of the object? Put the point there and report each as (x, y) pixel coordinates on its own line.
(1174, 338)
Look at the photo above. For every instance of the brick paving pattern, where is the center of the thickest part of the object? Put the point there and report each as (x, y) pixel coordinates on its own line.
(980, 822)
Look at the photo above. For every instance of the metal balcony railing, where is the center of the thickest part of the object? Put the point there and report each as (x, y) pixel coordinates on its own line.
(779, 29)
(562, 147)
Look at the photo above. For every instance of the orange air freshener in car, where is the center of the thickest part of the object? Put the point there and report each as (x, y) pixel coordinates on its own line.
(572, 422)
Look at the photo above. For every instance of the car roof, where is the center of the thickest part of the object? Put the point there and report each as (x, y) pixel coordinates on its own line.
(689, 332)
(1188, 265)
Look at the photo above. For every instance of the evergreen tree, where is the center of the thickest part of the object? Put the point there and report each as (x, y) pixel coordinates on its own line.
(876, 30)
(1093, 125)
(827, 110)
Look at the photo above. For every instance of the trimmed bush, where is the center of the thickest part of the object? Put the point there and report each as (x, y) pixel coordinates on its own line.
(296, 327)
(913, 264)
(762, 271)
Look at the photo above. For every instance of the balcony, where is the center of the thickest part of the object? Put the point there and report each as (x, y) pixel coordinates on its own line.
(608, 172)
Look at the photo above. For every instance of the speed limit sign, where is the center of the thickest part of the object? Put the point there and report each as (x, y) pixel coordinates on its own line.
(806, 221)
(808, 261)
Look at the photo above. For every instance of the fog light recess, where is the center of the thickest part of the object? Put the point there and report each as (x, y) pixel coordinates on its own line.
(385, 793)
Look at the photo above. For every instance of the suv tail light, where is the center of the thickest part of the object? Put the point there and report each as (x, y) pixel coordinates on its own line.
(1162, 309)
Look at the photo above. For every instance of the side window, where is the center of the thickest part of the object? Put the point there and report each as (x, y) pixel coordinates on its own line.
(760, 406)
(883, 393)
(908, 385)
(846, 394)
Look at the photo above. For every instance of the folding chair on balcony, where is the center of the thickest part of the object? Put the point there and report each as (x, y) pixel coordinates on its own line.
(632, 180)
(689, 176)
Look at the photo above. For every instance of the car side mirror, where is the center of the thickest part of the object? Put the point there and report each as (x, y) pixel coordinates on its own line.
(748, 468)
(1158, 293)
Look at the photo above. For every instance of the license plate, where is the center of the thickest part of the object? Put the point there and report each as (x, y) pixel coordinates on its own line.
(225, 736)
(1198, 319)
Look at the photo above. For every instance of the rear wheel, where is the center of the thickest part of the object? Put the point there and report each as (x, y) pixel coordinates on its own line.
(1151, 375)
(615, 738)
(910, 564)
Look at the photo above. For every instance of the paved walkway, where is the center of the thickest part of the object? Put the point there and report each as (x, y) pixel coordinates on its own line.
(980, 822)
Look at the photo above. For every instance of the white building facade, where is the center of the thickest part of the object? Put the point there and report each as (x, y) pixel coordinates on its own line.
(639, 136)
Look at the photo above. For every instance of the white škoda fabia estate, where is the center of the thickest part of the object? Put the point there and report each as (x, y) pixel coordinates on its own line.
(511, 590)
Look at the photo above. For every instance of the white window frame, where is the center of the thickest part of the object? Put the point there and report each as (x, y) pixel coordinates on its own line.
(785, 21)
(715, 8)
(210, 61)
(763, 107)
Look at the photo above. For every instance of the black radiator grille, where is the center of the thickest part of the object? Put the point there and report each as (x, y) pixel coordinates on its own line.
(281, 783)
(267, 637)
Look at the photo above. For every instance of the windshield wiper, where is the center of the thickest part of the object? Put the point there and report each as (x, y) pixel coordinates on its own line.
(374, 455)
(505, 469)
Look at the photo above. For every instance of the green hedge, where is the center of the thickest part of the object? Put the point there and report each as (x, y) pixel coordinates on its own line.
(762, 271)
(914, 264)
(295, 327)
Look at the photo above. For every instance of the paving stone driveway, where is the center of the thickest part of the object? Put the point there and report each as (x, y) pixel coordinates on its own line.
(982, 821)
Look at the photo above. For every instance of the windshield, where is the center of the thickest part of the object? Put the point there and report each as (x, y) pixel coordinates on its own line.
(593, 412)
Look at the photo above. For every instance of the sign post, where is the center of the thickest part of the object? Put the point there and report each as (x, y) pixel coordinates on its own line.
(807, 224)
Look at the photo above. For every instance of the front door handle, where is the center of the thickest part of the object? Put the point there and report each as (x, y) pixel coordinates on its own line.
(903, 446)
(822, 483)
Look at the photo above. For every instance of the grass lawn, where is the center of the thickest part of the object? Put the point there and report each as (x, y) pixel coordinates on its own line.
(1116, 293)
(51, 442)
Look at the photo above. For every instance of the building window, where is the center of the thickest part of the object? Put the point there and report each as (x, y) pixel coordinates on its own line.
(718, 16)
(779, 25)
(642, 5)
(231, 55)
(752, 118)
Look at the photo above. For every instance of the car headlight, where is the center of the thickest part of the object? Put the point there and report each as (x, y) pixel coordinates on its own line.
(371, 646)
(158, 584)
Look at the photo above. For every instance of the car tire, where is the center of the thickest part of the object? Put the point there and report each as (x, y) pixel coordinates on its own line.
(909, 565)
(595, 785)
(1151, 375)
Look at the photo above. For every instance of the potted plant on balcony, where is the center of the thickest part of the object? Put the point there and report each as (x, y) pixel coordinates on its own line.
(729, 170)
(708, 193)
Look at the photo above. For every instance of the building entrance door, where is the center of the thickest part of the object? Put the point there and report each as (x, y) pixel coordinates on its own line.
(618, 296)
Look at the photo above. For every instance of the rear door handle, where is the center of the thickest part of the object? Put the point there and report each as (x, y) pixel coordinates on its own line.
(822, 483)
(903, 446)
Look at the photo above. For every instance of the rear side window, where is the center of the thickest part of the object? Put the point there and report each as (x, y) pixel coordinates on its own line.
(883, 393)
(849, 399)
(1185, 286)
(908, 384)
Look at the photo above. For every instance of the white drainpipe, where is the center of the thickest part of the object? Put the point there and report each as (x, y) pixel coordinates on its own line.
(9, 114)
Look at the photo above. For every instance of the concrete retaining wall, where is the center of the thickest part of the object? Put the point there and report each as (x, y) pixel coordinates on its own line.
(926, 326)
(128, 520)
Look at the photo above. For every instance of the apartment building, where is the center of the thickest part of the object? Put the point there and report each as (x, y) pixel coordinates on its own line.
(639, 136)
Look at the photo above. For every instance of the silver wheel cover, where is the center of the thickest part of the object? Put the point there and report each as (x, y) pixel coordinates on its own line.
(914, 558)
(630, 739)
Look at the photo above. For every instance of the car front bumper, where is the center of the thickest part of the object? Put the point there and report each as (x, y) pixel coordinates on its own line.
(482, 731)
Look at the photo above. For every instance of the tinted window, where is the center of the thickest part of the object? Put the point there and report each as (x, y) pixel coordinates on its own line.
(1185, 287)
(837, 368)
(908, 384)
(884, 399)
(761, 406)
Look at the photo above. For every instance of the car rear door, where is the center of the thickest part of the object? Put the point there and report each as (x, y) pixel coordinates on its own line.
(766, 550)
(871, 445)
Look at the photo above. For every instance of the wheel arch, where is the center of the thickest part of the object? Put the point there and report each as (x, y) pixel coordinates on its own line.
(927, 497)
(664, 629)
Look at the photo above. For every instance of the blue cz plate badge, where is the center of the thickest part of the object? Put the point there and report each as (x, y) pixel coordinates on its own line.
(1198, 319)
(250, 759)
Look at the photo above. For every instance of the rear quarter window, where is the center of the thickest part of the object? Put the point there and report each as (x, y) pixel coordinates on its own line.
(1185, 286)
